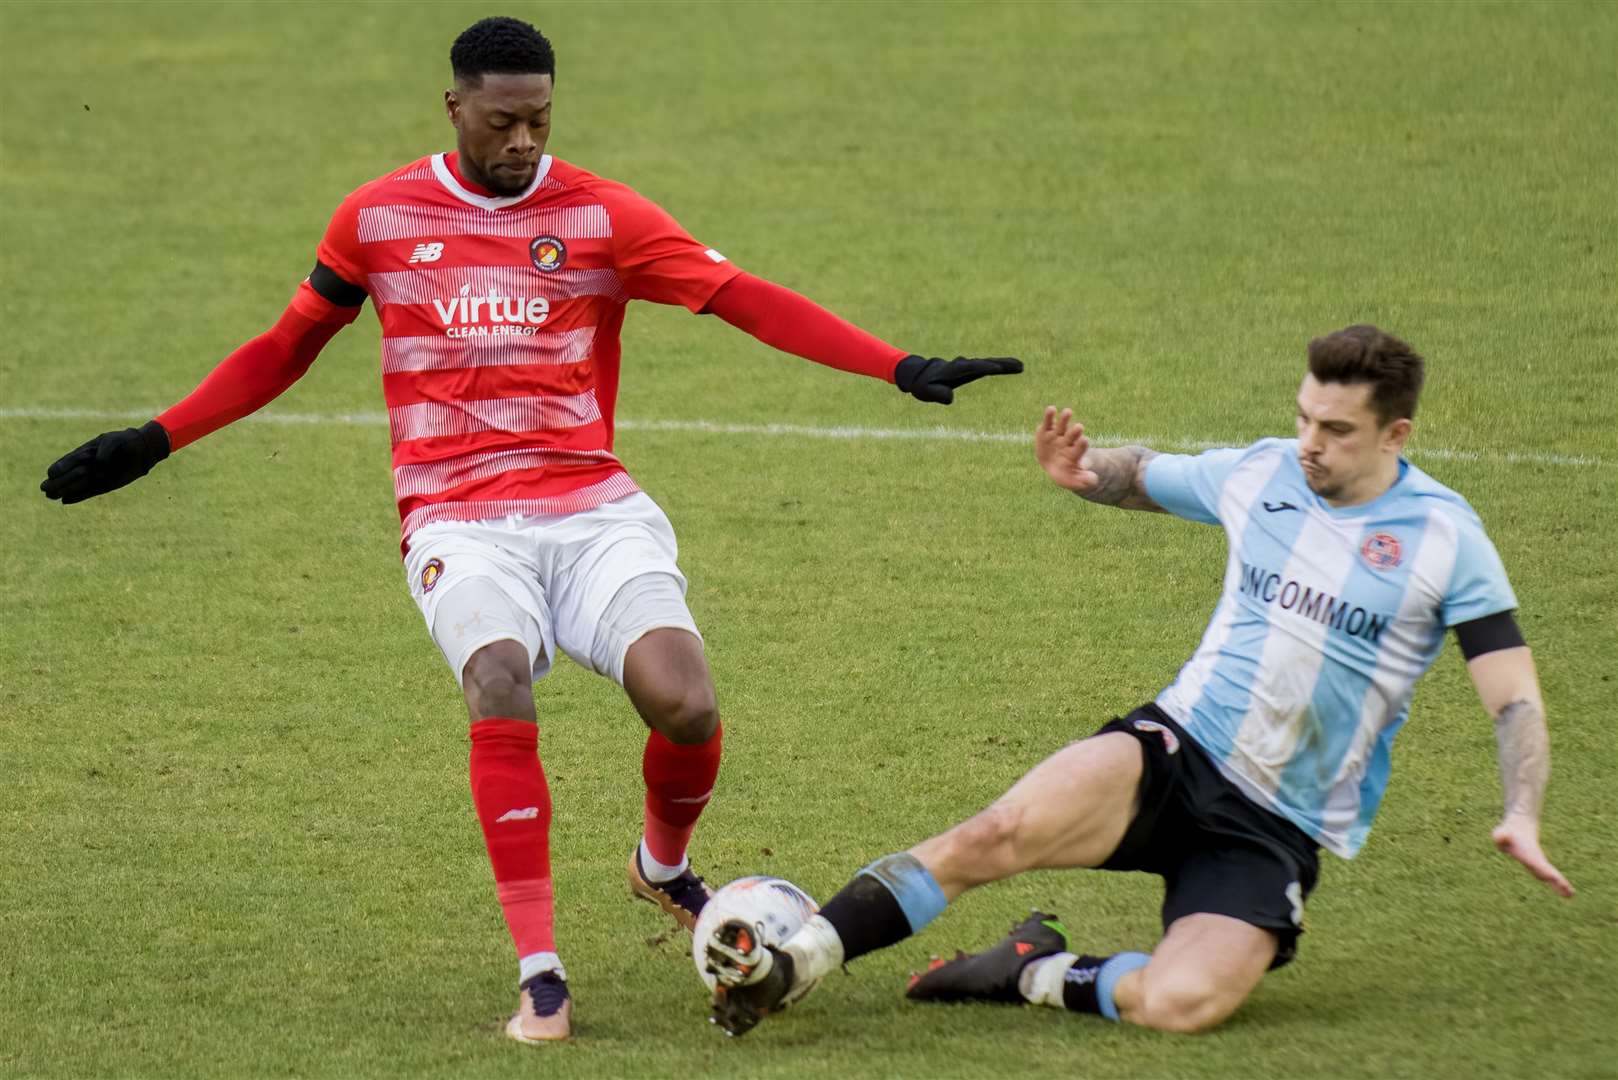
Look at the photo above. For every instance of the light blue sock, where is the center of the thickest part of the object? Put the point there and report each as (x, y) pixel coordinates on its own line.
(1116, 967)
(912, 885)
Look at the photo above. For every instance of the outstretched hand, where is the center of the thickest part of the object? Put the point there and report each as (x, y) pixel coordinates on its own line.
(1519, 838)
(1060, 446)
(935, 380)
(106, 463)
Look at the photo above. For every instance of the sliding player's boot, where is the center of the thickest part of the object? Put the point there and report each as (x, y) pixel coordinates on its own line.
(684, 897)
(991, 975)
(544, 1010)
(753, 979)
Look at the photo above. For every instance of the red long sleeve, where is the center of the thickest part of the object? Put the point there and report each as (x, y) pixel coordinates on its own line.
(259, 371)
(792, 323)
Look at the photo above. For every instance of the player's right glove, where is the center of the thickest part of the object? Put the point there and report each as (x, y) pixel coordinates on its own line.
(935, 380)
(106, 463)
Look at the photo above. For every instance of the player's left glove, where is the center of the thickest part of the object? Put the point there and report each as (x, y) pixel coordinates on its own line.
(106, 463)
(935, 380)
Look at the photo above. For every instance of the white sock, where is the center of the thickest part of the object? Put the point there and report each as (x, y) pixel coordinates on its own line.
(537, 963)
(816, 950)
(657, 872)
(1041, 982)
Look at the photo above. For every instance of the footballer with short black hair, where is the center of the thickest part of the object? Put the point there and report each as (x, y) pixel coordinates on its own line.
(501, 276)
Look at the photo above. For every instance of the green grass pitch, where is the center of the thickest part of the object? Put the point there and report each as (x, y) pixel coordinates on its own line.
(235, 835)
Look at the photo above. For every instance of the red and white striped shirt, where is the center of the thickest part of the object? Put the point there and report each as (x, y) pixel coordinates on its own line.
(500, 321)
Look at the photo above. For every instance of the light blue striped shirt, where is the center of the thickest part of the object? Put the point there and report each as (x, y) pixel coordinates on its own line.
(1328, 617)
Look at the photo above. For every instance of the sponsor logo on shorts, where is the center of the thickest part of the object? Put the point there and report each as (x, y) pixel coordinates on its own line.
(548, 254)
(431, 573)
(1381, 550)
(1171, 741)
(1295, 898)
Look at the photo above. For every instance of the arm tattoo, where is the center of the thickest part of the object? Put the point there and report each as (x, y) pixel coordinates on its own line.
(1525, 756)
(1123, 477)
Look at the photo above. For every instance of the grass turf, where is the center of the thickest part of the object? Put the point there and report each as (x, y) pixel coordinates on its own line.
(234, 832)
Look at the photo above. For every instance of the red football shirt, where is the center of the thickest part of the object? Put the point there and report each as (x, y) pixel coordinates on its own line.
(500, 321)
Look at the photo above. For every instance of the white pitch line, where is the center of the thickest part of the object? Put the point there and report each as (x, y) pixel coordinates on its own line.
(804, 431)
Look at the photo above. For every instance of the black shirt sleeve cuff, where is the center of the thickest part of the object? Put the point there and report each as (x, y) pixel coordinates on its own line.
(1488, 634)
(324, 280)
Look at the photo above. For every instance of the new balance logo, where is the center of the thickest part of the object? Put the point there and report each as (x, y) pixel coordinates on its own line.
(527, 813)
(427, 253)
(1276, 508)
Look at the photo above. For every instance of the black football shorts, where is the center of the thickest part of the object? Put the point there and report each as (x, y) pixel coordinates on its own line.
(1216, 850)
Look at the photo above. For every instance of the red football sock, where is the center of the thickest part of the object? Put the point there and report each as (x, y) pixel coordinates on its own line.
(679, 780)
(514, 808)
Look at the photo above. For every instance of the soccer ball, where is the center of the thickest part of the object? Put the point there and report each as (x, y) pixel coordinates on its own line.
(773, 906)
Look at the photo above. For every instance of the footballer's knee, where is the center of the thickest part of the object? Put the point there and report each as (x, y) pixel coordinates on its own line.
(666, 676)
(1183, 1003)
(686, 713)
(498, 681)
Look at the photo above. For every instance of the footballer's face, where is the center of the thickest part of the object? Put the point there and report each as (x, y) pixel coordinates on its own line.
(1348, 456)
(501, 125)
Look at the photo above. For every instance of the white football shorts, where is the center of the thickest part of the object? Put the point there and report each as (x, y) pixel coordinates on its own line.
(591, 583)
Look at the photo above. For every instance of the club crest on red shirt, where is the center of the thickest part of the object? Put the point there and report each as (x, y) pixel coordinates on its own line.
(548, 253)
(431, 573)
(1381, 550)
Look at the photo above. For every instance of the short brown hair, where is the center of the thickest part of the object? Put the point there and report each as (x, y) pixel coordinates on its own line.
(1365, 354)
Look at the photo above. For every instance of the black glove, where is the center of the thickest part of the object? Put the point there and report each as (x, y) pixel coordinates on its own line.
(106, 462)
(931, 379)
